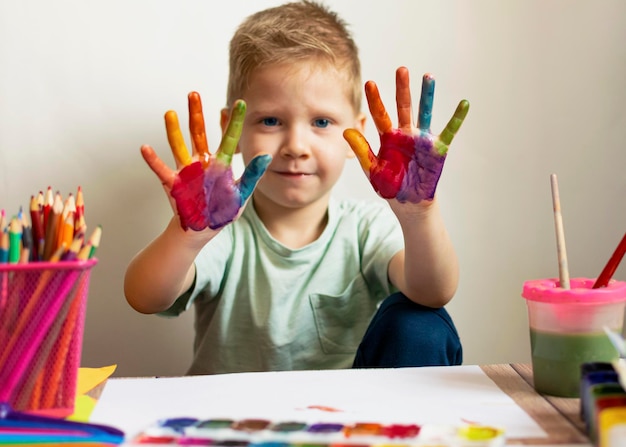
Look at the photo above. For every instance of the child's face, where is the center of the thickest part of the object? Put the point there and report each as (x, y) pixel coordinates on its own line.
(297, 114)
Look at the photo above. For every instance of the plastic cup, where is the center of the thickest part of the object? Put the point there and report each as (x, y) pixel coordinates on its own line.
(567, 330)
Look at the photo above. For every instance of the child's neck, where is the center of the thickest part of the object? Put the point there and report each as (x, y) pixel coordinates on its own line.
(293, 227)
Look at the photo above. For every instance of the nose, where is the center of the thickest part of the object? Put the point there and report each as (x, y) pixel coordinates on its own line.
(295, 144)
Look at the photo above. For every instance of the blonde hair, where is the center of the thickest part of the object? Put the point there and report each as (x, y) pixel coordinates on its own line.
(293, 32)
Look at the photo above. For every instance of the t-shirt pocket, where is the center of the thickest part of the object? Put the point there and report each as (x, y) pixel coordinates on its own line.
(341, 320)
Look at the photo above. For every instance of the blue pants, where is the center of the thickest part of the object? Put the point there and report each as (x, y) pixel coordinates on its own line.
(403, 333)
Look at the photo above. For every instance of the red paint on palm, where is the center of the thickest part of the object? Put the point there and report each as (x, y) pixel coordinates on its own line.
(188, 192)
(387, 174)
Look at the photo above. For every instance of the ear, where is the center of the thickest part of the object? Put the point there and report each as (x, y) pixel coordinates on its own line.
(359, 124)
(224, 118)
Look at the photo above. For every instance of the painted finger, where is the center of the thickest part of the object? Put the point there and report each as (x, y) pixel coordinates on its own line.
(162, 171)
(230, 139)
(177, 142)
(197, 130)
(377, 109)
(453, 126)
(252, 174)
(361, 149)
(426, 102)
(403, 100)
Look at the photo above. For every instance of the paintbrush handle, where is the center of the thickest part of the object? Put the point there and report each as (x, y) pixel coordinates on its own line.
(560, 235)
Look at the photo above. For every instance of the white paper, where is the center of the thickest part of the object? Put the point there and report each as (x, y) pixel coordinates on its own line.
(428, 395)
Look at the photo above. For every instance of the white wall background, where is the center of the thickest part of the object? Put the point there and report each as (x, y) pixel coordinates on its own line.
(84, 83)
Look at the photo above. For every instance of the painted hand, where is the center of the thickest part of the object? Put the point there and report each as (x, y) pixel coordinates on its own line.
(204, 190)
(410, 159)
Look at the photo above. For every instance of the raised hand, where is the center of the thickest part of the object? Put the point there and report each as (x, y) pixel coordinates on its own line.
(204, 190)
(410, 160)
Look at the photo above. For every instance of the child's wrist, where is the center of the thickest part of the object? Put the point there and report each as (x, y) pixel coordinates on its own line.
(190, 238)
(414, 211)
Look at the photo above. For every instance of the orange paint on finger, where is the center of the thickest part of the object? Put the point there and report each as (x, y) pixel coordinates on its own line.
(197, 128)
(377, 108)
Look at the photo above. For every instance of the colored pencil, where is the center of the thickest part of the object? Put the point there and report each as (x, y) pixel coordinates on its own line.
(4, 246)
(80, 204)
(4, 284)
(42, 389)
(80, 226)
(15, 240)
(3, 220)
(33, 302)
(94, 240)
(611, 265)
(64, 233)
(48, 202)
(74, 248)
(27, 238)
(32, 390)
(6, 304)
(84, 252)
(560, 237)
(36, 220)
(58, 367)
(31, 387)
(69, 205)
(54, 217)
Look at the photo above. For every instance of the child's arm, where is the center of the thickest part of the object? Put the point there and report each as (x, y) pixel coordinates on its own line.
(406, 172)
(164, 269)
(426, 271)
(205, 198)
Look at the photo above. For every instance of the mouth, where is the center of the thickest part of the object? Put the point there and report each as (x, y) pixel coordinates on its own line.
(292, 174)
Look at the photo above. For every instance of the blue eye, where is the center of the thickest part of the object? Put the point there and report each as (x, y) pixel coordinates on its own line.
(270, 122)
(321, 123)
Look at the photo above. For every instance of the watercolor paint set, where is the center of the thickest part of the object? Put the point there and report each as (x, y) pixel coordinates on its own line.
(265, 433)
(603, 403)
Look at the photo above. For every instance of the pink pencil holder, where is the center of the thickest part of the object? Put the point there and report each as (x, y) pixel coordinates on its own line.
(42, 317)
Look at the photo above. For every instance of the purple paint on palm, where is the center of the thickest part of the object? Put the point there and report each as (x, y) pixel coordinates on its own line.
(408, 167)
(423, 171)
(206, 198)
(223, 199)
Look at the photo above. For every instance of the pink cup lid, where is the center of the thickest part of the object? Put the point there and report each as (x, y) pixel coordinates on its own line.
(580, 291)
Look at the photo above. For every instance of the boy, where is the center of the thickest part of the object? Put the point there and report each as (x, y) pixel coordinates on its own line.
(297, 279)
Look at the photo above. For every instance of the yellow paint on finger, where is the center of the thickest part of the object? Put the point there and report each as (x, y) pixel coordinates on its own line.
(361, 148)
(176, 140)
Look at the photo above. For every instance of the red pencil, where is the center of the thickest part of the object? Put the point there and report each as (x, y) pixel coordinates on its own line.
(3, 220)
(80, 204)
(54, 222)
(48, 201)
(36, 218)
(611, 266)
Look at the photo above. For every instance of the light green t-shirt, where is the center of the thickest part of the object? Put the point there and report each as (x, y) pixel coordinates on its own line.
(261, 306)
